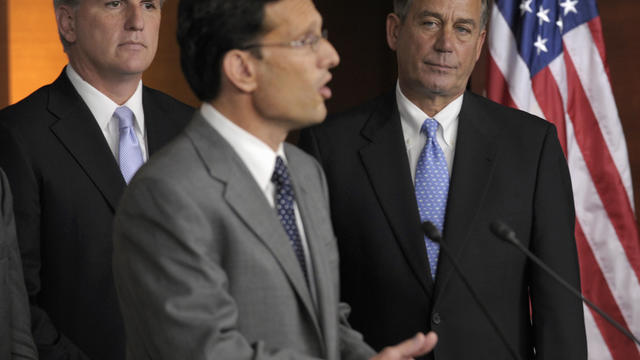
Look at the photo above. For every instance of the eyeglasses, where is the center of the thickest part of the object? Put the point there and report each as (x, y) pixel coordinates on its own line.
(311, 40)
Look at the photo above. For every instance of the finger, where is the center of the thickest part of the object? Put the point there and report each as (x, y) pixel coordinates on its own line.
(430, 342)
(416, 346)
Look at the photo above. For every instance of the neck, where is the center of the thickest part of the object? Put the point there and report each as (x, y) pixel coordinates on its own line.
(429, 103)
(117, 88)
(238, 109)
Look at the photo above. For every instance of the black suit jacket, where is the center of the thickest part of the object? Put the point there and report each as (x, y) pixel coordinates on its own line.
(508, 165)
(66, 185)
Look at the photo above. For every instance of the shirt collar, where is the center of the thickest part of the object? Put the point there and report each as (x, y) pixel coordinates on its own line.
(259, 158)
(412, 117)
(101, 106)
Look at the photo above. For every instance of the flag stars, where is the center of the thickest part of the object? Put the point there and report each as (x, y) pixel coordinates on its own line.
(569, 6)
(525, 7)
(543, 15)
(560, 23)
(541, 44)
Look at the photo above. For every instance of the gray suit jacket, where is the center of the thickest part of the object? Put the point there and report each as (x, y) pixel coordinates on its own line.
(15, 327)
(204, 269)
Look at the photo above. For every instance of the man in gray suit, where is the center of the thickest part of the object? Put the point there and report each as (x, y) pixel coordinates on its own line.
(15, 333)
(223, 245)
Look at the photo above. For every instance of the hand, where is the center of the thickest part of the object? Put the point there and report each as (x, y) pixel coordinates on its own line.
(408, 349)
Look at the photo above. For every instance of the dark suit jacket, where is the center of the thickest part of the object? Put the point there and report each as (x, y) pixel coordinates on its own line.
(66, 185)
(508, 165)
(15, 330)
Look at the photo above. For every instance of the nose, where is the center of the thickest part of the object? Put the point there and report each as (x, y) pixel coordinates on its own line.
(329, 57)
(444, 41)
(134, 17)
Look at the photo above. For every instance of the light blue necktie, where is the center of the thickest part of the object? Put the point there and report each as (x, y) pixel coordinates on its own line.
(432, 187)
(284, 206)
(130, 153)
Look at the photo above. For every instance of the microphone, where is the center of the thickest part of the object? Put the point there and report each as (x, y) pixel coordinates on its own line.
(434, 234)
(504, 232)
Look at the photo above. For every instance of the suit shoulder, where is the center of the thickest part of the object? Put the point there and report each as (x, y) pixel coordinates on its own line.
(510, 120)
(360, 113)
(169, 103)
(352, 120)
(27, 109)
(505, 113)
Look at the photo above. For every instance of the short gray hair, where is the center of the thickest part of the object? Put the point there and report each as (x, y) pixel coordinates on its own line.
(401, 8)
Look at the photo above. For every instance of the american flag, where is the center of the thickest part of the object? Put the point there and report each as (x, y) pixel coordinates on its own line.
(547, 57)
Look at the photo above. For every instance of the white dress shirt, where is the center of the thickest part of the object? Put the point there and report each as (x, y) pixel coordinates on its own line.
(412, 118)
(260, 159)
(103, 108)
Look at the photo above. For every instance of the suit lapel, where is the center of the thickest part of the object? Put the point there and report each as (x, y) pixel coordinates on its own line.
(245, 197)
(309, 203)
(80, 134)
(471, 174)
(386, 162)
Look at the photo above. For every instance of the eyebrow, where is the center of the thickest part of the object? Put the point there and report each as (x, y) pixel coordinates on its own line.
(427, 13)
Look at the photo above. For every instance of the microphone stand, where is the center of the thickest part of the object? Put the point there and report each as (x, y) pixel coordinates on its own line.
(432, 233)
(506, 233)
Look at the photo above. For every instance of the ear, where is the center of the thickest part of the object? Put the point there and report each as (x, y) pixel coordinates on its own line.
(66, 20)
(240, 69)
(393, 27)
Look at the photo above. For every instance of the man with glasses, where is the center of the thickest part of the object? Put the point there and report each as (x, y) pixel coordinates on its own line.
(223, 243)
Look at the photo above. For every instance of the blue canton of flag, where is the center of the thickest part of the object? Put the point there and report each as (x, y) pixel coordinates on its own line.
(538, 26)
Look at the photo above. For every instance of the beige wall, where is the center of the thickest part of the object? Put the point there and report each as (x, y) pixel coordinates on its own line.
(32, 55)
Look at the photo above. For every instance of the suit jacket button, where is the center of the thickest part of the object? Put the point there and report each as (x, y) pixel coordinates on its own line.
(435, 318)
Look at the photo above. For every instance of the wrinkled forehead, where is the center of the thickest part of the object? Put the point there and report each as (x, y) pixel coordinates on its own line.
(455, 9)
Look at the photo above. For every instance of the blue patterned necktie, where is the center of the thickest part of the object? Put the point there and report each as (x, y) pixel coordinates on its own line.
(130, 153)
(432, 187)
(284, 206)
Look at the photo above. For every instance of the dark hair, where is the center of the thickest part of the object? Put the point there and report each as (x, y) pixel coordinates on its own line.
(401, 8)
(207, 30)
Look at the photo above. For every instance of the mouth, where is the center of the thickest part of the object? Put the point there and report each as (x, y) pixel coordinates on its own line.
(439, 66)
(133, 45)
(324, 90)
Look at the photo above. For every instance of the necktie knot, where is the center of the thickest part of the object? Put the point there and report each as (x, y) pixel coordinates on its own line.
(429, 128)
(280, 174)
(125, 117)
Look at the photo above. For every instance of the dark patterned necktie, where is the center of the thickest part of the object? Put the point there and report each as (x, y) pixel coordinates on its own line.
(284, 200)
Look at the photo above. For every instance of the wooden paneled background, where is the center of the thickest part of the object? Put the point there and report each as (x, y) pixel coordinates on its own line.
(31, 55)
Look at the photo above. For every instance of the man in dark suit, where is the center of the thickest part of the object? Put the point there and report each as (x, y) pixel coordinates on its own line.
(15, 326)
(429, 151)
(68, 150)
(223, 247)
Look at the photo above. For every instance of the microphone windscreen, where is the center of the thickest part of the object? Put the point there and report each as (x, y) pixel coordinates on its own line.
(503, 231)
